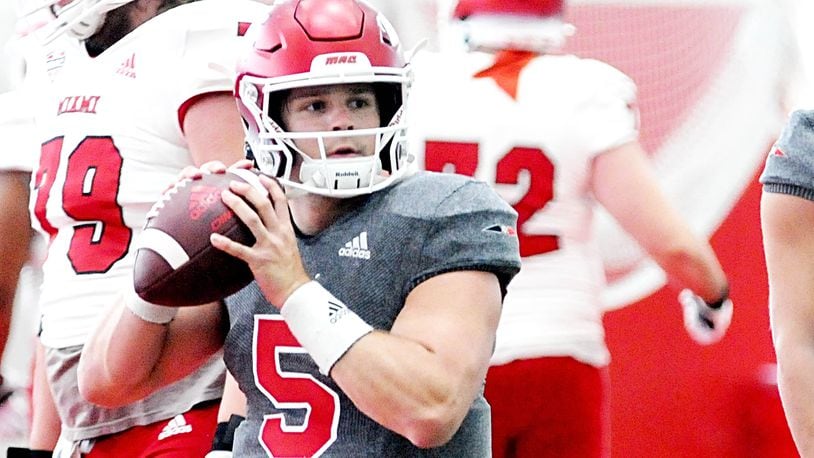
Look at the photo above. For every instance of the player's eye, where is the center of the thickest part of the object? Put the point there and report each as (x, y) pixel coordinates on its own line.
(315, 105)
(358, 103)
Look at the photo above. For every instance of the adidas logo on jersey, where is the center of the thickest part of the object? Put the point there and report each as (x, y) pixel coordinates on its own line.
(356, 248)
(177, 425)
(128, 67)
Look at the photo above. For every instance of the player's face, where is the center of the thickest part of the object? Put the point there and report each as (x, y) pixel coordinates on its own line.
(333, 108)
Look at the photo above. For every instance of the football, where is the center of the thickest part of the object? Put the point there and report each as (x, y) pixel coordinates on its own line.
(175, 263)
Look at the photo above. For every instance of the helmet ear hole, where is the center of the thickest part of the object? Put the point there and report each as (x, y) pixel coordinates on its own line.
(388, 97)
(276, 105)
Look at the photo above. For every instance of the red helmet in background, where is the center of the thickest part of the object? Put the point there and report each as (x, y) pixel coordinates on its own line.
(315, 43)
(492, 25)
(529, 8)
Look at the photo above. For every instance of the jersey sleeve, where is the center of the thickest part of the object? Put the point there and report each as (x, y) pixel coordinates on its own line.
(609, 110)
(789, 168)
(211, 47)
(208, 61)
(473, 229)
(17, 131)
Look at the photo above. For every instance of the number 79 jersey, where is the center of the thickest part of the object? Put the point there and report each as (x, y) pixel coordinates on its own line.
(111, 136)
(531, 126)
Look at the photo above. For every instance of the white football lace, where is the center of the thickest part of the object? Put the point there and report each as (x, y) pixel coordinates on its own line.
(156, 208)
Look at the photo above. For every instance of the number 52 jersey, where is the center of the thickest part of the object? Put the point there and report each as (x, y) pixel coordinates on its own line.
(531, 126)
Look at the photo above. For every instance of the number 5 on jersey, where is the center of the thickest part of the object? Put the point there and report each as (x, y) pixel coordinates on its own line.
(291, 390)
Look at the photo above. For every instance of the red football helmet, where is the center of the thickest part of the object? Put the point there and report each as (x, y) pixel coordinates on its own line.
(531, 25)
(314, 43)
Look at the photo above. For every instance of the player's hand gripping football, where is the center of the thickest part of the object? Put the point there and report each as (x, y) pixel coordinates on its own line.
(706, 323)
(274, 258)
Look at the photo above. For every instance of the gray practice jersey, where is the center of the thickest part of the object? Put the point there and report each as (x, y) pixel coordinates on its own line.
(370, 258)
(790, 165)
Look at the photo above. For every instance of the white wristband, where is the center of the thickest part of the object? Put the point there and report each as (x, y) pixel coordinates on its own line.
(147, 311)
(322, 324)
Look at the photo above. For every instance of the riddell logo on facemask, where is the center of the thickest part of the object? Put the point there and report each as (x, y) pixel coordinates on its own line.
(356, 248)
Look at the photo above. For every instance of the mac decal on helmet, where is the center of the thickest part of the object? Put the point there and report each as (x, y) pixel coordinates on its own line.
(314, 43)
(528, 25)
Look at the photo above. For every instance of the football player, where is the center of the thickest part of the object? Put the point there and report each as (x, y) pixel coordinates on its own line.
(15, 246)
(126, 94)
(786, 217)
(554, 134)
(40, 424)
(370, 324)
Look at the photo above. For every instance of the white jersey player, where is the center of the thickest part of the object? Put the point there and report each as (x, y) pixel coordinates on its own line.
(554, 134)
(18, 285)
(18, 288)
(119, 114)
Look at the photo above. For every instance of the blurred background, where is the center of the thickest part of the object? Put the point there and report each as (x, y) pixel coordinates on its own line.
(717, 80)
